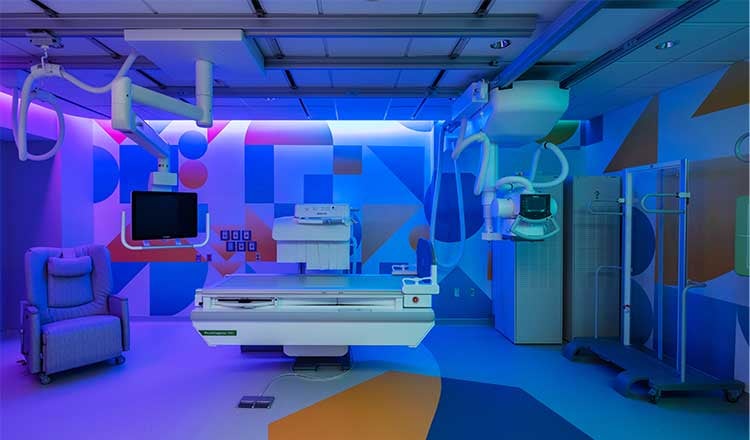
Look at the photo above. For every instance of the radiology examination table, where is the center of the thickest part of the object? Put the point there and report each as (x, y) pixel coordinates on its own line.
(315, 315)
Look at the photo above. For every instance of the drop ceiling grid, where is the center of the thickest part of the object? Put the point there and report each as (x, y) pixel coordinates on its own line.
(290, 6)
(364, 78)
(99, 6)
(372, 47)
(72, 46)
(380, 7)
(198, 6)
(607, 29)
(642, 70)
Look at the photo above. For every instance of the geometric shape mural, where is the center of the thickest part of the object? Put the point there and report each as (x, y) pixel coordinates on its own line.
(318, 188)
(380, 222)
(215, 129)
(731, 90)
(193, 174)
(473, 410)
(193, 144)
(173, 286)
(288, 133)
(640, 146)
(394, 405)
(282, 163)
(259, 175)
(714, 187)
(406, 163)
(398, 405)
(417, 232)
(106, 174)
(347, 159)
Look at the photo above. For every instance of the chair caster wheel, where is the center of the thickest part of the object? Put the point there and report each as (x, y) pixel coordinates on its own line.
(732, 396)
(44, 379)
(119, 360)
(654, 395)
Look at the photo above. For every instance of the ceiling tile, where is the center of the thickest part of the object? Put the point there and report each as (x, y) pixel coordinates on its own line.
(98, 6)
(299, 47)
(725, 11)
(416, 78)
(290, 6)
(361, 109)
(364, 78)
(585, 109)
(672, 74)
(606, 30)
(733, 47)
(450, 6)
(422, 47)
(270, 102)
(18, 7)
(312, 78)
(462, 78)
(481, 47)
(118, 44)
(321, 108)
(691, 37)
(611, 77)
(399, 113)
(367, 47)
(271, 78)
(547, 10)
(384, 7)
(8, 49)
(200, 6)
(72, 46)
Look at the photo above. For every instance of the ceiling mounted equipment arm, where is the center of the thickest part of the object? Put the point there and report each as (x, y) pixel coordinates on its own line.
(20, 114)
(124, 119)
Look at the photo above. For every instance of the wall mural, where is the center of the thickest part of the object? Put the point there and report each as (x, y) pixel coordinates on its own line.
(700, 121)
(247, 173)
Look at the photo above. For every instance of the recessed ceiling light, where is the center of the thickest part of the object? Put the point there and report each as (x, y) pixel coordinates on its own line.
(500, 44)
(667, 44)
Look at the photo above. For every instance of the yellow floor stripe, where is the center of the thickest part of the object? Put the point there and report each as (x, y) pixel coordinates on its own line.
(392, 406)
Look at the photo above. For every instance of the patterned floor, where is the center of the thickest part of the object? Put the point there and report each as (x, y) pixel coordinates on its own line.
(464, 382)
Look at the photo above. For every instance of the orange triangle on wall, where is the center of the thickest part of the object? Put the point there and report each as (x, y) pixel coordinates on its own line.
(380, 222)
(731, 90)
(640, 146)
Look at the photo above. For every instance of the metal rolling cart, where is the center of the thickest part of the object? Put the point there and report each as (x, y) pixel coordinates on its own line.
(638, 364)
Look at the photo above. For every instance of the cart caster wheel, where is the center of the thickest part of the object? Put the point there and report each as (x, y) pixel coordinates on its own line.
(732, 396)
(119, 360)
(654, 395)
(44, 379)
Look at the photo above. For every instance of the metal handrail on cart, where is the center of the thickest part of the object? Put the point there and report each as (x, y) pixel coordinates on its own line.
(596, 295)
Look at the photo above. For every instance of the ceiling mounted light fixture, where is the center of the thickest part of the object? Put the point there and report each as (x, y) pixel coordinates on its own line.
(500, 44)
(667, 44)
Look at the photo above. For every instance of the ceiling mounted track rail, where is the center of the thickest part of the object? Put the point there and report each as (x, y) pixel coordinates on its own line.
(443, 25)
(684, 12)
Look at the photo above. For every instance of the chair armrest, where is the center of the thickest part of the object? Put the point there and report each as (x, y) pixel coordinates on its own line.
(118, 306)
(31, 340)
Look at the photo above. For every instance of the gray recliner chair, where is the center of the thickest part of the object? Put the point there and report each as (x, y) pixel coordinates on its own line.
(71, 318)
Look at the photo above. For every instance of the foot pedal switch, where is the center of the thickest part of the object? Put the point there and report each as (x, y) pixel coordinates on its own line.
(256, 402)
